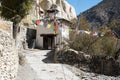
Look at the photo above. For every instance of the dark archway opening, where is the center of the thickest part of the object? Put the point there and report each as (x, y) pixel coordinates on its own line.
(31, 37)
(48, 41)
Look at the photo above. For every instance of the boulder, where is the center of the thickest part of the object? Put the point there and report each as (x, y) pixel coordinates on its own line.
(71, 57)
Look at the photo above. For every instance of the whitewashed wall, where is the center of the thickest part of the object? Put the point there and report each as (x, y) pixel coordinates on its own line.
(58, 39)
(43, 30)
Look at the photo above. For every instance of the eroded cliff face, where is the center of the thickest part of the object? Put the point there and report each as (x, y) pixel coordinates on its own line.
(66, 11)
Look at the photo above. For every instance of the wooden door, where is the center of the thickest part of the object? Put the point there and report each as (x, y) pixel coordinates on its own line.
(48, 42)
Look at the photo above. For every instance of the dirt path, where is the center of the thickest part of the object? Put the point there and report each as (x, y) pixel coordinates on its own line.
(39, 67)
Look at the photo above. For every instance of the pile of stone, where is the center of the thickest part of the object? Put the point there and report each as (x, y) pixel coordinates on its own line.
(72, 54)
(68, 56)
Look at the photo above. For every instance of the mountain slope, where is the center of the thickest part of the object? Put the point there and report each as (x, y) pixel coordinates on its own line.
(103, 13)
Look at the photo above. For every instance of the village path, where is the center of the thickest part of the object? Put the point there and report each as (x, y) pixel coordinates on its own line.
(40, 67)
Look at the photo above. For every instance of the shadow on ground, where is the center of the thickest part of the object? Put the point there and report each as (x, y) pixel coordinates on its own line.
(49, 57)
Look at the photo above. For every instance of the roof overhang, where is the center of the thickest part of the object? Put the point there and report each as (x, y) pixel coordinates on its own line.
(48, 35)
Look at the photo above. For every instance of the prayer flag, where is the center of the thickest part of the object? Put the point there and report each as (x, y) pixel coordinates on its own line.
(33, 21)
(87, 32)
(81, 31)
(45, 24)
(48, 26)
(37, 22)
(52, 27)
(67, 30)
(35, 25)
(78, 32)
(92, 33)
(74, 31)
(70, 30)
(56, 28)
(41, 23)
(95, 34)
(63, 29)
(99, 34)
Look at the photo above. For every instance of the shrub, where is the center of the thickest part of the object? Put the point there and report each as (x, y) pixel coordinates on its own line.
(93, 45)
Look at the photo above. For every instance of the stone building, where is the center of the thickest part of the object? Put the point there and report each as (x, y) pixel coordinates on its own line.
(42, 37)
(46, 38)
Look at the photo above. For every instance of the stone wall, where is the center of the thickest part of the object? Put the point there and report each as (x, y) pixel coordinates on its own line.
(21, 38)
(8, 56)
(7, 26)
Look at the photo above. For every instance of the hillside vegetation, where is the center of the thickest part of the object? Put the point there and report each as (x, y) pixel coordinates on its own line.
(105, 45)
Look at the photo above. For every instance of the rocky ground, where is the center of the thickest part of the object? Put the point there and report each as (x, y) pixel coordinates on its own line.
(90, 76)
(39, 66)
(100, 64)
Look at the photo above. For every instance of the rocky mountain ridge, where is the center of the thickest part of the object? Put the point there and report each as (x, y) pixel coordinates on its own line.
(103, 13)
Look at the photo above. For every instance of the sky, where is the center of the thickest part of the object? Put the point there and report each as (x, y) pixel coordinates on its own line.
(82, 5)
